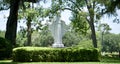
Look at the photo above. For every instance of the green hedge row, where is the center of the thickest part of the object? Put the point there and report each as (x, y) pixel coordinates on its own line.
(35, 54)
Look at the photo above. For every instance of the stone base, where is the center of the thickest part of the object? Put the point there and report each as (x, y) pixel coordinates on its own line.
(58, 45)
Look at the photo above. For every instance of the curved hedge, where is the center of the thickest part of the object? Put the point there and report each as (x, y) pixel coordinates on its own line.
(44, 54)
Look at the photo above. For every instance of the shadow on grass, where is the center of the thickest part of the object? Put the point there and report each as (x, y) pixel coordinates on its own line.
(104, 60)
(8, 63)
(110, 60)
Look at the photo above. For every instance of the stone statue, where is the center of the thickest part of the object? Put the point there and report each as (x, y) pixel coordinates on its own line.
(58, 29)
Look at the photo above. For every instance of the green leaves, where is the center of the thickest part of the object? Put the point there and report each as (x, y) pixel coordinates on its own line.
(111, 42)
(79, 22)
(80, 3)
(2, 34)
(110, 6)
(47, 54)
(105, 28)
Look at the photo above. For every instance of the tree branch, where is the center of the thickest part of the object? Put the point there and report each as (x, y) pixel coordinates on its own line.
(2, 8)
(88, 6)
(93, 5)
(88, 20)
(75, 4)
(70, 10)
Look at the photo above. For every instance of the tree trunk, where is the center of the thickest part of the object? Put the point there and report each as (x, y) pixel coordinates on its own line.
(29, 31)
(93, 35)
(92, 27)
(11, 26)
(91, 9)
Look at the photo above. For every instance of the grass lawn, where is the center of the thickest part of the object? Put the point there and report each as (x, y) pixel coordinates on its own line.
(103, 61)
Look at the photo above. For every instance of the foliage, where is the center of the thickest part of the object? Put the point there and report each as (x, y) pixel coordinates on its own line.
(105, 28)
(87, 43)
(110, 5)
(71, 38)
(39, 38)
(84, 14)
(27, 54)
(44, 38)
(2, 34)
(104, 60)
(5, 48)
(4, 4)
(33, 19)
(80, 54)
(111, 42)
(79, 23)
(110, 8)
(21, 38)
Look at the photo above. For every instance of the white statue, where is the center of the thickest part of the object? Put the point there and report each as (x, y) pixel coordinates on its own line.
(58, 29)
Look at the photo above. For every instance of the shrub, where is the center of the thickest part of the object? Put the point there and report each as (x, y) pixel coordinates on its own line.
(80, 54)
(29, 54)
(5, 48)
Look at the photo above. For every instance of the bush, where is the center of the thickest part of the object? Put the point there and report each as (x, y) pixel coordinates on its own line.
(35, 54)
(80, 54)
(5, 48)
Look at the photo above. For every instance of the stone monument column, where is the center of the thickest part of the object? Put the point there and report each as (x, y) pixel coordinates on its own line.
(58, 41)
(57, 29)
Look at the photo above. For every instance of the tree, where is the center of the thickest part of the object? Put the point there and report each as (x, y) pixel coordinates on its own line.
(45, 37)
(21, 38)
(104, 29)
(111, 42)
(90, 16)
(110, 7)
(11, 26)
(32, 16)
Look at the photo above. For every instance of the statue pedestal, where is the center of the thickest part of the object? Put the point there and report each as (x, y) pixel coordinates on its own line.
(58, 45)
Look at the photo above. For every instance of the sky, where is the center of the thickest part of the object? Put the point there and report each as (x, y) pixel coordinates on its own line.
(109, 20)
(3, 18)
(65, 17)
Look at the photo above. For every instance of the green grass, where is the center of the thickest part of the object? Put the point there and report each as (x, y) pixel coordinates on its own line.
(104, 60)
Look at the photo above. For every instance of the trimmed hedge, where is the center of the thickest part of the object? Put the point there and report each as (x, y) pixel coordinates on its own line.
(43, 54)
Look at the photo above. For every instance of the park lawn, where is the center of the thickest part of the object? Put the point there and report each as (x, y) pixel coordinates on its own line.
(103, 61)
